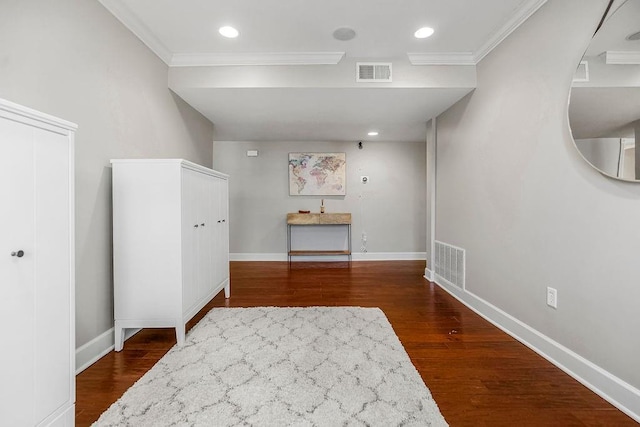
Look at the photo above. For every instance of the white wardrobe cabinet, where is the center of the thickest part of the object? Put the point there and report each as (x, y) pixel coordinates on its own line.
(37, 300)
(170, 242)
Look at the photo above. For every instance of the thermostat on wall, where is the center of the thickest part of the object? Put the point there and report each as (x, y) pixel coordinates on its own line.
(252, 153)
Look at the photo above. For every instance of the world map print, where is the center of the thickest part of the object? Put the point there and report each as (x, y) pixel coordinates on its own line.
(317, 174)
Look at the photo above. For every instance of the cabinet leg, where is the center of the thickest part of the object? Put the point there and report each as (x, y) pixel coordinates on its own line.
(227, 290)
(180, 334)
(119, 336)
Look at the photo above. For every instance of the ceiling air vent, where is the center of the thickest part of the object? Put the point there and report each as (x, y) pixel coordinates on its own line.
(377, 72)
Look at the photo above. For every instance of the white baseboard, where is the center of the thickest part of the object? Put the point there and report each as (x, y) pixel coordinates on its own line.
(389, 256)
(611, 388)
(356, 256)
(429, 275)
(94, 350)
(258, 257)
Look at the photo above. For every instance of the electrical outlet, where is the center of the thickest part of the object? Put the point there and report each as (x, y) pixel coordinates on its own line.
(552, 297)
(364, 236)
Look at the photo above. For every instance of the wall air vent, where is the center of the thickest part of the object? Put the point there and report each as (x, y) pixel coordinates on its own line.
(449, 263)
(373, 72)
(582, 72)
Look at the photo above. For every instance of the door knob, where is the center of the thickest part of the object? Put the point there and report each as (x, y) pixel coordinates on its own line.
(19, 254)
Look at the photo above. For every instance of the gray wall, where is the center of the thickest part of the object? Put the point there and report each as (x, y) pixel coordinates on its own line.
(390, 208)
(515, 193)
(74, 60)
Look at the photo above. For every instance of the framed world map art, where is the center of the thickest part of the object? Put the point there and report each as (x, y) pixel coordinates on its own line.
(317, 174)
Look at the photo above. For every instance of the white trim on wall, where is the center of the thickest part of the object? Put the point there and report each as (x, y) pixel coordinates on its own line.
(525, 10)
(390, 256)
(97, 348)
(429, 275)
(359, 256)
(431, 152)
(258, 257)
(129, 19)
(260, 58)
(137, 27)
(622, 58)
(606, 385)
(442, 58)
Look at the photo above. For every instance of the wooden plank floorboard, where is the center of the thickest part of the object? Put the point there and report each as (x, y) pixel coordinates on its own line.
(478, 375)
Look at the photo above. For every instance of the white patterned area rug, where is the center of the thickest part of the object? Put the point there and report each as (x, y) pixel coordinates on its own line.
(267, 366)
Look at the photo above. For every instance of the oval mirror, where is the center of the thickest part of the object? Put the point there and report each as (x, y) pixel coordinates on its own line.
(604, 106)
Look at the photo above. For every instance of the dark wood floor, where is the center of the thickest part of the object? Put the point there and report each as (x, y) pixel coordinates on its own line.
(478, 375)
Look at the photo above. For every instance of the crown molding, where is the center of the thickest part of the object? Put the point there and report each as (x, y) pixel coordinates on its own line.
(622, 57)
(131, 21)
(137, 27)
(442, 58)
(276, 58)
(523, 13)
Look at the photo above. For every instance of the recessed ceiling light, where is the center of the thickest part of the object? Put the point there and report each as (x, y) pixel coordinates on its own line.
(229, 32)
(373, 133)
(344, 34)
(423, 33)
(634, 36)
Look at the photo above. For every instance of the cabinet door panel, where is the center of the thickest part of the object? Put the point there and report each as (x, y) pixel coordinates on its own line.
(52, 269)
(224, 251)
(190, 234)
(17, 274)
(36, 300)
(198, 230)
(222, 245)
(206, 237)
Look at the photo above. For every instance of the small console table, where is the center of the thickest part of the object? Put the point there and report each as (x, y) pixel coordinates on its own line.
(294, 219)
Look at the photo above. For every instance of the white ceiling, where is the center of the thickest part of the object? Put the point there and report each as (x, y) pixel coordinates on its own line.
(321, 114)
(286, 32)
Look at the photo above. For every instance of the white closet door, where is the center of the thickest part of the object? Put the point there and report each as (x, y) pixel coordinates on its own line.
(52, 268)
(222, 234)
(35, 274)
(198, 233)
(201, 204)
(17, 275)
(223, 247)
(224, 250)
(190, 234)
(206, 249)
(215, 260)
